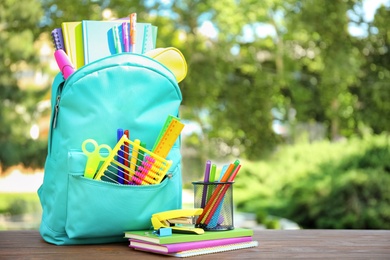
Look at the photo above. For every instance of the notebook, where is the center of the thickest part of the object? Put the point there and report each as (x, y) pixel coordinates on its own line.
(98, 40)
(211, 250)
(178, 247)
(73, 40)
(150, 37)
(149, 236)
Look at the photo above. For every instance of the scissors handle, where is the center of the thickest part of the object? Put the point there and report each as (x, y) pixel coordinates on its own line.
(94, 156)
(84, 146)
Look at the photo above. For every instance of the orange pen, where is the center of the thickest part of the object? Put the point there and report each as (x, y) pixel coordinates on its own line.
(133, 31)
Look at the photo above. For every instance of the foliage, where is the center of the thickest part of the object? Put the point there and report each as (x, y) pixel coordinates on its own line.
(327, 65)
(322, 185)
(19, 203)
(19, 29)
(373, 89)
(309, 69)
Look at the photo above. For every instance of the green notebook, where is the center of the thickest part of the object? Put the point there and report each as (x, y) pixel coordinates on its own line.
(147, 235)
(73, 40)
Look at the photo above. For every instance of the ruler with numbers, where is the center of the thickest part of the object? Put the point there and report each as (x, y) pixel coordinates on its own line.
(168, 138)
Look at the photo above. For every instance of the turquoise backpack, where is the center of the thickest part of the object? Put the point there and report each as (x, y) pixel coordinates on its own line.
(128, 91)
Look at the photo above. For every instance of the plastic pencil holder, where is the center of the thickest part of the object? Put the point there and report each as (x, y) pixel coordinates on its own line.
(216, 199)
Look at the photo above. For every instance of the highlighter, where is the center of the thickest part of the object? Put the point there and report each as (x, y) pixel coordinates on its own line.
(117, 41)
(64, 64)
(125, 36)
(133, 31)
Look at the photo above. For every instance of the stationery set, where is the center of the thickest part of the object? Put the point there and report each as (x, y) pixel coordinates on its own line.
(113, 164)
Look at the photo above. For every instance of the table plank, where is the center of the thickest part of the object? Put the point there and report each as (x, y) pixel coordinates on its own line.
(275, 244)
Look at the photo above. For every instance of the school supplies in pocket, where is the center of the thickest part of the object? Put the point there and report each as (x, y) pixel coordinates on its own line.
(150, 170)
(128, 91)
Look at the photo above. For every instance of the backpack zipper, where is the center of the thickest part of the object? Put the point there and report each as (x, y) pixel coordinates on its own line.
(57, 105)
(56, 108)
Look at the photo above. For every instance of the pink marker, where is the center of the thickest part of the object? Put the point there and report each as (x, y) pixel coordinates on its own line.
(64, 63)
(125, 36)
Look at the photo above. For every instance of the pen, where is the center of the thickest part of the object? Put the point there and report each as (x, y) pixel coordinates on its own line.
(211, 202)
(211, 179)
(206, 211)
(205, 181)
(133, 31)
(212, 172)
(117, 42)
(125, 36)
(64, 64)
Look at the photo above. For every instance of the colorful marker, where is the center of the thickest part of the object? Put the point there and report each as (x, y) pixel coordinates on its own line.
(64, 64)
(125, 36)
(117, 42)
(133, 31)
(205, 183)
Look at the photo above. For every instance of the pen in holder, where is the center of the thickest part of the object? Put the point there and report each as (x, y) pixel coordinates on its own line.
(218, 208)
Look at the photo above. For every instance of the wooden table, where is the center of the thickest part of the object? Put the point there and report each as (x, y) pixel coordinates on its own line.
(273, 244)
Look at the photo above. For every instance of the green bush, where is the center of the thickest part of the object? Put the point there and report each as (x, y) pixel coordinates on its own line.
(19, 203)
(322, 185)
(18, 207)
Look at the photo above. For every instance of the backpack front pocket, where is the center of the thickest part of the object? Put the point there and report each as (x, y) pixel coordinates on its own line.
(103, 209)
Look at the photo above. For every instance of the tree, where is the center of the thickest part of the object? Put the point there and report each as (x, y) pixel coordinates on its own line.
(373, 88)
(326, 62)
(309, 65)
(223, 90)
(19, 29)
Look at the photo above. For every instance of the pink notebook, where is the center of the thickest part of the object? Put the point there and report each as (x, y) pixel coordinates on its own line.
(178, 247)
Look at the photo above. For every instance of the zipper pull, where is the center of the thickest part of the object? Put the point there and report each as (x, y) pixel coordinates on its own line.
(57, 108)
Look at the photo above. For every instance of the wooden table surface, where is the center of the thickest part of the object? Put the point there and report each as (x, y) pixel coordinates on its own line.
(273, 244)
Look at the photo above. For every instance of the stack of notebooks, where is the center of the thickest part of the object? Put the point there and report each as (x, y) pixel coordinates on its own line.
(186, 245)
(86, 41)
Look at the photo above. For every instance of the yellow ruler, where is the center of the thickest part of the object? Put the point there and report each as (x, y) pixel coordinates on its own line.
(163, 130)
(169, 137)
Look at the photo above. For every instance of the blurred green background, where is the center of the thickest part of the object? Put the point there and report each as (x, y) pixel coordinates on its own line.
(297, 90)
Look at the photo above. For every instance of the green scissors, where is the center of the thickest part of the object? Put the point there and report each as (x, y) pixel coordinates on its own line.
(95, 156)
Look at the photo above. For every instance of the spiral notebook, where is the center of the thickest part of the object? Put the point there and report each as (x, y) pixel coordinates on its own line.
(209, 250)
(185, 246)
